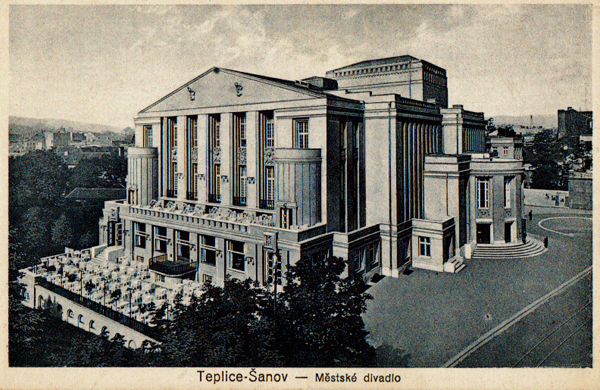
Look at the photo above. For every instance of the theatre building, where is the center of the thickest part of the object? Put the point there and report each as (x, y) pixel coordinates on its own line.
(234, 171)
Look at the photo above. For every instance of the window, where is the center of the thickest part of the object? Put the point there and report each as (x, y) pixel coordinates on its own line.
(270, 171)
(140, 235)
(206, 278)
(285, 218)
(183, 246)
(505, 151)
(273, 268)
(483, 186)
(270, 133)
(425, 246)
(159, 278)
(301, 133)
(147, 136)
(235, 255)
(160, 239)
(240, 183)
(191, 162)
(208, 250)
(507, 185)
(214, 158)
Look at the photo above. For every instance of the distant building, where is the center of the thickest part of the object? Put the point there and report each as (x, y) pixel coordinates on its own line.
(573, 123)
(506, 147)
(581, 190)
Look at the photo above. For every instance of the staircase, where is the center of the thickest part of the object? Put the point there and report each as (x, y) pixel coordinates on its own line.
(454, 265)
(99, 259)
(530, 248)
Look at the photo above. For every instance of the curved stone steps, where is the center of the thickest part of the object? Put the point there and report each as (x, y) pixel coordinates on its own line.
(530, 248)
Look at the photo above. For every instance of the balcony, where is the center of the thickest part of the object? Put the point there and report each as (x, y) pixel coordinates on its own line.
(214, 198)
(267, 204)
(239, 201)
(192, 196)
(161, 265)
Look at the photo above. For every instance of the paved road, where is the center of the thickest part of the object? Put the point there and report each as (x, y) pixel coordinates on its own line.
(432, 317)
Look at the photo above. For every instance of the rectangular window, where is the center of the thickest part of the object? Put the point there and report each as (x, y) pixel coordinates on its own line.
(160, 239)
(235, 255)
(273, 266)
(183, 246)
(300, 133)
(174, 181)
(140, 235)
(171, 150)
(507, 185)
(505, 151)
(270, 133)
(206, 278)
(208, 250)
(425, 246)
(240, 182)
(483, 186)
(214, 158)
(270, 185)
(147, 130)
(159, 278)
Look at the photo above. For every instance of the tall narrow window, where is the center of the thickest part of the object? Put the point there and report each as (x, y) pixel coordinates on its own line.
(483, 185)
(507, 185)
(266, 145)
(301, 133)
(240, 179)
(270, 193)
(147, 134)
(214, 158)
(160, 239)
(192, 157)
(171, 147)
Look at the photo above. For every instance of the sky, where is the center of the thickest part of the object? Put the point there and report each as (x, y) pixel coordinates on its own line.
(103, 64)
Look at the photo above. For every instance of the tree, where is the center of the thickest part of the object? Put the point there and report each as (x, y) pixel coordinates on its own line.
(226, 326)
(62, 233)
(320, 320)
(36, 229)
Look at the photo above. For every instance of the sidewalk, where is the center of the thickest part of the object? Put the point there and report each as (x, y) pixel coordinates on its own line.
(432, 316)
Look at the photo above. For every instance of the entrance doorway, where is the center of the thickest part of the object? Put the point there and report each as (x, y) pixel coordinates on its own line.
(507, 231)
(115, 233)
(483, 233)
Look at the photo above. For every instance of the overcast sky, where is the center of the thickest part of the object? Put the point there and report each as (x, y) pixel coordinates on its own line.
(103, 64)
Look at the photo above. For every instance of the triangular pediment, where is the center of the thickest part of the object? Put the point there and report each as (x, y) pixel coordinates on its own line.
(224, 87)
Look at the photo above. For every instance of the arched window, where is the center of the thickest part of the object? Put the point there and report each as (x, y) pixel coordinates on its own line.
(91, 325)
(70, 313)
(80, 319)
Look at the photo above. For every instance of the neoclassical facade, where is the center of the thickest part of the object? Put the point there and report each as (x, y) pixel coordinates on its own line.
(242, 174)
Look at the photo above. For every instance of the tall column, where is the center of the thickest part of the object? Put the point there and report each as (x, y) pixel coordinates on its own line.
(202, 158)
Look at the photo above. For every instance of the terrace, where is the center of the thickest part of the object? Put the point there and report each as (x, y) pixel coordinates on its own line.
(121, 290)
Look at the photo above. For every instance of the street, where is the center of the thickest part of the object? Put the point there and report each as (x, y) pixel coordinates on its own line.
(433, 317)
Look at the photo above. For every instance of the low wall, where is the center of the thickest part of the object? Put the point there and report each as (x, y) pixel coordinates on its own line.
(86, 319)
(546, 198)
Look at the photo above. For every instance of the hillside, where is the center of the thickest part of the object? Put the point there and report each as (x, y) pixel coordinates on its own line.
(546, 121)
(19, 124)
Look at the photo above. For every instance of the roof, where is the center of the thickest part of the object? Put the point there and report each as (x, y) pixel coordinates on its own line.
(297, 86)
(380, 61)
(97, 193)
